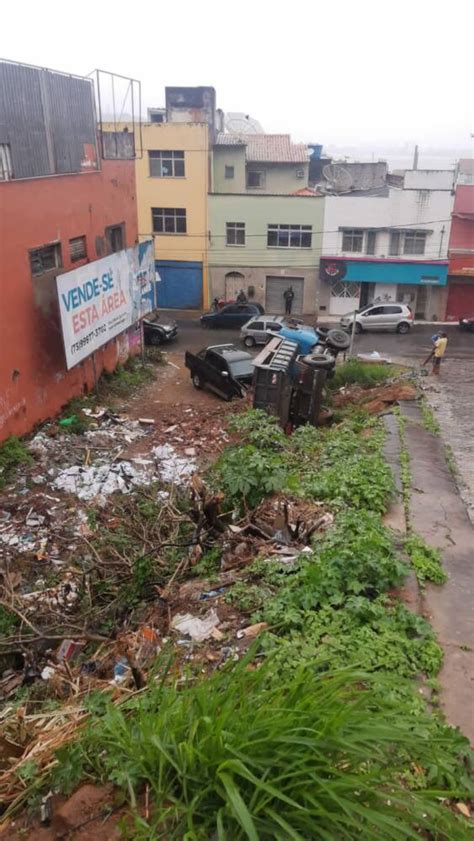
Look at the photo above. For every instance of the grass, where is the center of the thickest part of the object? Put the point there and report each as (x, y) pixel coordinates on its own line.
(125, 378)
(426, 560)
(361, 373)
(429, 421)
(13, 453)
(247, 754)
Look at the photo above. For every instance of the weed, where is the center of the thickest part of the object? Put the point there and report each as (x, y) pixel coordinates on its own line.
(8, 621)
(260, 429)
(125, 378)
(451, 461)
(360, 481)
(12, 453)
(426, 560)
(246, 597)
(209, 564)
(429, 421)
(360, 373)
(247, 474)
(254, 755)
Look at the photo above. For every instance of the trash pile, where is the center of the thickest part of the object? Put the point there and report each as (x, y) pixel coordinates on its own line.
(375, 400)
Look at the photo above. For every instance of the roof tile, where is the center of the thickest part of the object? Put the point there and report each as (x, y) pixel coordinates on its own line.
(270, 148)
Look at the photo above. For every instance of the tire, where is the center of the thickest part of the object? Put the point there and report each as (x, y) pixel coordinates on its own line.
(196, 380)
(338, 339)
(156, 339)
(403, 328)
(249, 341)
(320, 363)
(359, 328)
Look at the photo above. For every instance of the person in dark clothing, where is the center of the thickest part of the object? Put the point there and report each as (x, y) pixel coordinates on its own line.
(241, 297)
(288, 295)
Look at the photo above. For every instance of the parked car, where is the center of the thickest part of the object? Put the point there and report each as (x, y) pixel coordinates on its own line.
(397, 317)
(155, 332)
(232, 315)
(257, 330)
(225, 369)
(467, 323)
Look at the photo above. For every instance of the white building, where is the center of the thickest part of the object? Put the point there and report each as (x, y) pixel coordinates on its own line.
(389, 246)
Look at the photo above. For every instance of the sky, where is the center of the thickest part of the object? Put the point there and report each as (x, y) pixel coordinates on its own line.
(363, 74)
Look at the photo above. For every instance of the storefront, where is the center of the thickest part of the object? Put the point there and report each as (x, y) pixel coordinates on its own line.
(349, 284)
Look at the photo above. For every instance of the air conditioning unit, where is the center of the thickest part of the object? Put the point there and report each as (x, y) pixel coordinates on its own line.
(300, 173)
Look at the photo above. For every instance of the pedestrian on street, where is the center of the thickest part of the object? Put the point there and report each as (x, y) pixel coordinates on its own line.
(439, 351)
(241, 297)
(288, 295)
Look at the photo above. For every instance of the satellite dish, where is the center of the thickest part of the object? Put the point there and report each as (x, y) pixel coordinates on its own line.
(240, 123)
(338, 177)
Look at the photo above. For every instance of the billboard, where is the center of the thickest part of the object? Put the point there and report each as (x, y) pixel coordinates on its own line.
(102, 299)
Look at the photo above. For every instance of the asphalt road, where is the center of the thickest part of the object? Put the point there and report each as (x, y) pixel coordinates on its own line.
(414, 345)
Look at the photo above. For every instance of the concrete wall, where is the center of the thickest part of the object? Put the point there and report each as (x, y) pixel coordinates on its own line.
(423, 209)
(34, 382)
(279, 178)
(257, 277)
(228, 156)
(429, 179)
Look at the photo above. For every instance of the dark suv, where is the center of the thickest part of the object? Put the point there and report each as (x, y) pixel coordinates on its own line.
(232, 315)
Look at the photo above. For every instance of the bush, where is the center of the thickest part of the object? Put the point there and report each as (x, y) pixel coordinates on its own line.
(247, 474)
(360, 481)
(248, 755)
(259, 429)
(361, 373)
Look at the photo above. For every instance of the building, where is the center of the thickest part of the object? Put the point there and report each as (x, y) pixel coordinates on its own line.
(461, 246)
(265, 223)
(62, 205)
(173, 174)
(388, 243)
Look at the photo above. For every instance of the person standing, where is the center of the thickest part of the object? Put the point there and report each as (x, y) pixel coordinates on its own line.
(439, 351)
(241, 297)
(288, 295)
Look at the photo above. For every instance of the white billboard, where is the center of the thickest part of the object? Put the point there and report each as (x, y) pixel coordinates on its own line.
(102, 299)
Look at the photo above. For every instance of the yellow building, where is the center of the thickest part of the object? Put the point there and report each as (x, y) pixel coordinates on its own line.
(172, 173)
(172, 187)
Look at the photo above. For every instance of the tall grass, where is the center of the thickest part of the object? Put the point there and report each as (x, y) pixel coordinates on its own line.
(362, 373)
(246, 755)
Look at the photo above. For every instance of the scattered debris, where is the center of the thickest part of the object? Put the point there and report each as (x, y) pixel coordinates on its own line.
(195, 627)
(252, 630)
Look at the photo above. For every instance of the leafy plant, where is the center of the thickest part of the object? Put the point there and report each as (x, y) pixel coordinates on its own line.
(429, 421)
(260, 429)
(209, 564)
(426, 560)
(248, 474)
(12, 453)
(248, 755)
(8, 621)
(361, 481)
(246, 597)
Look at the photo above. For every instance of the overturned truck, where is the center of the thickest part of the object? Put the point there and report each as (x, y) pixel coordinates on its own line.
(290, 385)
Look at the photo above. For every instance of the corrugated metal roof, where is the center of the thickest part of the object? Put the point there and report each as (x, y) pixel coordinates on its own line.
(269, 148)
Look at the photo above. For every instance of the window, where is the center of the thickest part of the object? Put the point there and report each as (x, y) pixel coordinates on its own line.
(235, 233)
(229, 171)
(352, 239)
(371, 241)
(255, 178)
(6, 169)
(115, 236)
(256, 325)
(169, 220)
(45, 259)
(414, 242)
(289, 236)
(275, 328)
(374, 311)
(394, 247)
(392, 310)
(166, 164)
(78, 249)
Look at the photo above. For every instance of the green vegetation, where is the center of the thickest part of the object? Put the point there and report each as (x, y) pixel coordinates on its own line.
(429, 421)
(254, 755)
(361, 373)
(125, 378)
(12, 453)
(425, 559)
(247, 474)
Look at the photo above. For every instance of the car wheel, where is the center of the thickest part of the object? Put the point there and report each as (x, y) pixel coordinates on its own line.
(403, 327)
(338, 339)
(359, 328)
(197, 382)
(156, 339)
(249, 341)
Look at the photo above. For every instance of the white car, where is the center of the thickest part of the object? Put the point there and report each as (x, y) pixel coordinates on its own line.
(257, 330)
(398, 317)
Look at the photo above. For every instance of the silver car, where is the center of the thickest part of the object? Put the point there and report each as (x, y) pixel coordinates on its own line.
(257, 330)
(397, 317)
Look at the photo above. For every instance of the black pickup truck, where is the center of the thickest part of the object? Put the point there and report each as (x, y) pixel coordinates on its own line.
(225, 369)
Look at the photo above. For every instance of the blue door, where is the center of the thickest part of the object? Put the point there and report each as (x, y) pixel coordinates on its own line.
(179, 285)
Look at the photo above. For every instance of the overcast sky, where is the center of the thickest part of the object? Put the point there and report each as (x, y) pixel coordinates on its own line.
(366, 73)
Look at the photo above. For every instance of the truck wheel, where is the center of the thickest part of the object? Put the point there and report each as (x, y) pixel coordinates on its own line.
(197, 382)
(338, 339)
